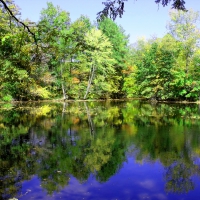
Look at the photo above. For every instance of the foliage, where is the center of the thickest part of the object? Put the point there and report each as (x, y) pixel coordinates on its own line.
(119, 41)
(167, 68)
(98, 58)
(7, 98)
(81, 60)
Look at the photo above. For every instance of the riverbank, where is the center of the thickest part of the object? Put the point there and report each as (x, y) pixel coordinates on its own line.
(99, 100)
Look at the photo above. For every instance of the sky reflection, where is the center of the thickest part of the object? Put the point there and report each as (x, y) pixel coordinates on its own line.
(133, 181)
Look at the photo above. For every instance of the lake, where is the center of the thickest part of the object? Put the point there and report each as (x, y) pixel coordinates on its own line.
(111, 150)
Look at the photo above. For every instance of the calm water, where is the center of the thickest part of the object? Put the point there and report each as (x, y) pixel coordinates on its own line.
(100, 150)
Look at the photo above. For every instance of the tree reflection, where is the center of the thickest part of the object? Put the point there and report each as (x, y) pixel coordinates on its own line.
(179, 177)
(78, 139)
(172, 138)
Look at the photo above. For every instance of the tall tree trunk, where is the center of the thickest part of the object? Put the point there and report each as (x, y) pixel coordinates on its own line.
(64, 92)
(90, 81)
(63, 86)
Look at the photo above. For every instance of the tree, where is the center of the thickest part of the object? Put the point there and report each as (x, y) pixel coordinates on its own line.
(74, 71)
(119, 41)
(98, 57)
(184, 28)
(16, 52)
(55, 33)
(7, 7)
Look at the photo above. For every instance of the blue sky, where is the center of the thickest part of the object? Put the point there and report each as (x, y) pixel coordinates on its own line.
(142, 18)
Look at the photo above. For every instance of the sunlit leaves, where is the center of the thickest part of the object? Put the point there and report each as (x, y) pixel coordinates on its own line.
(167, 68)
(98, 58)
(119, 41)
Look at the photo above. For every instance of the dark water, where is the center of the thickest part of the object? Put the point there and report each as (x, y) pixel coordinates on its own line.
(100, 150)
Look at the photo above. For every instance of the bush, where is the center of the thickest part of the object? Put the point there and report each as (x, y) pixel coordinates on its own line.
(7, 98)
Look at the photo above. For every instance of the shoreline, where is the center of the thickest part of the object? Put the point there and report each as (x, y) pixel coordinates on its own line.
(100, 100)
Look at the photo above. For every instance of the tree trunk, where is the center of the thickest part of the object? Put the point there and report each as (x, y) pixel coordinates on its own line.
(63, 86)
(64, 92)
(90, 81)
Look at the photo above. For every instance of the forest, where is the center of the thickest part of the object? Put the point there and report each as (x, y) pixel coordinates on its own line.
(82, 60)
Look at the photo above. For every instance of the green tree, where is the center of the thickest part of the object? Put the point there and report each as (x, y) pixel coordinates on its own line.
(183, 27)
(98, 57)
(136, 54)
(74, 70)
(119, 41)
(16, 52)
(55, 34)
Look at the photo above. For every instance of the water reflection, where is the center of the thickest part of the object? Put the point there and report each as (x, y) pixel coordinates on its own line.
(56, 142)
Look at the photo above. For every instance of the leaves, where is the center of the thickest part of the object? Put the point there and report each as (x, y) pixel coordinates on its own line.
(167, 68)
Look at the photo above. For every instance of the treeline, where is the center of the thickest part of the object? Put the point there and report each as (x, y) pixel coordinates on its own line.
(73, 60)
(83, 60)
(167, 68)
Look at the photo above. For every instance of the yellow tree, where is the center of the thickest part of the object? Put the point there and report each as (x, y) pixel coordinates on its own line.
(98, 58)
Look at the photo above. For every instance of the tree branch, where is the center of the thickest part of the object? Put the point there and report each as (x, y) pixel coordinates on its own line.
(9, 11)
(114, 8)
